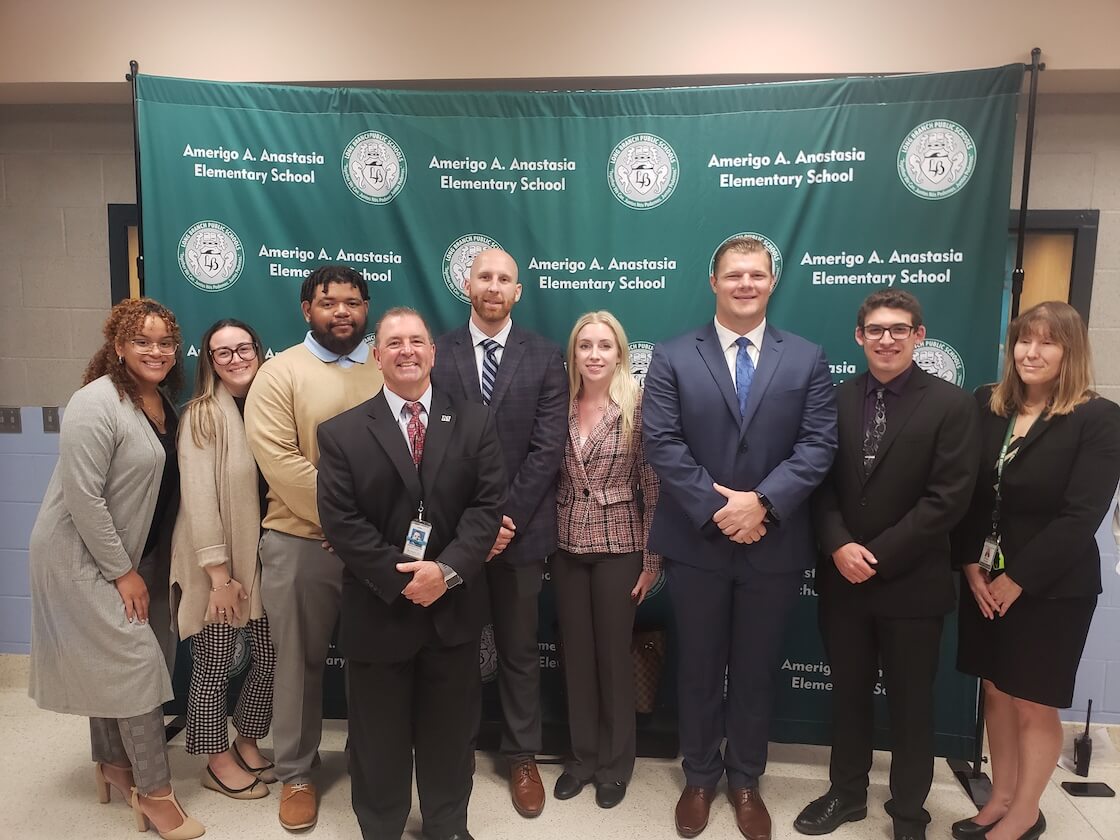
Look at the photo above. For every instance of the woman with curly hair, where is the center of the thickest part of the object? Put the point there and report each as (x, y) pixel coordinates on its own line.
(99, 562)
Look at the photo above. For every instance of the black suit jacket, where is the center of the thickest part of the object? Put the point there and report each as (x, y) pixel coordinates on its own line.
(530, 405)
(904, 510)
(1056, 492)
(368, 493)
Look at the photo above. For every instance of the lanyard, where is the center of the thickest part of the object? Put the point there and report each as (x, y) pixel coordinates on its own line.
(1000, 463)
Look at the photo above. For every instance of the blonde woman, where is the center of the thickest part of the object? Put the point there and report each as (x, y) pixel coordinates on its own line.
(215, 566)
(1049, 465)
(99, 565)
(602, 570)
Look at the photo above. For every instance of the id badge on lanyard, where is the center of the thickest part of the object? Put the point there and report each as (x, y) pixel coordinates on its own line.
(419, 532)
(991, 556)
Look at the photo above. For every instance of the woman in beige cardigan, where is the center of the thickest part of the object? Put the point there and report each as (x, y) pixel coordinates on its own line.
(97, 568)
(214, 567)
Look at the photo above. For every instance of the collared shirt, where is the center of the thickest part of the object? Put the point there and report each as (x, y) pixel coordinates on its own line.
(727, 339)
(397, 406)
(892, 393)
(358, 356)
(478, 336)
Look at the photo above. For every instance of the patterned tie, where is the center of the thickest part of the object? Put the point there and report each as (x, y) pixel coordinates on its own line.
(489, 367)
(875, 431)
(744, 374)
(416, 431)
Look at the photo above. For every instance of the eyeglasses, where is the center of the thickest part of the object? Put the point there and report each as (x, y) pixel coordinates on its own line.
(165, 346)
(898, 331)
(224, 355)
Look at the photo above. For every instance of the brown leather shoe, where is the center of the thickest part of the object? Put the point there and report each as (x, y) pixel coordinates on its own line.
(526, 789)
(299, 806)
(692, 810)
(750, 813)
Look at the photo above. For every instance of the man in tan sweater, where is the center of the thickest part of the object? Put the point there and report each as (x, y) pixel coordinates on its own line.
(301, 581)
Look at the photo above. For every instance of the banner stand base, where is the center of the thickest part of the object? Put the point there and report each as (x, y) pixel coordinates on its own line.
(976, 784)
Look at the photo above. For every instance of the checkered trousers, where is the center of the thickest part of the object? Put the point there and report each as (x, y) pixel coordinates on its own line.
(213, 651)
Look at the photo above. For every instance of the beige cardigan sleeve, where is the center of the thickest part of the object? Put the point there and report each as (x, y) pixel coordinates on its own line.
(198, 478)
(87, 441)
(270, 425)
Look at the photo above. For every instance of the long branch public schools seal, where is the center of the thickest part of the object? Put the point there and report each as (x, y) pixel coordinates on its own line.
(211, 256)
(643, 171)
(488, 655)
(459, 258)
(771, 246)
(641, 354)
(936, 159)
(374, 167)
(941, 360)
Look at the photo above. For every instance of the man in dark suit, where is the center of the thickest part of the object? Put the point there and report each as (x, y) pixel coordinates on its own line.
(406, 461)
(740, 425)
(903, 477)
(521, 376)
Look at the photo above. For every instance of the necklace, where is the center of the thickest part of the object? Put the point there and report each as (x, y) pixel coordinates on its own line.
(157, 417)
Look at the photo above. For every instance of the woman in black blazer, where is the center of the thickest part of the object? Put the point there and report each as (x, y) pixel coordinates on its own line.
(1052, 448)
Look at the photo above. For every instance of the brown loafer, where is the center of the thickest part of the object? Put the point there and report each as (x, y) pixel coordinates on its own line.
(525, 788)
(750, 813)
(692, 810)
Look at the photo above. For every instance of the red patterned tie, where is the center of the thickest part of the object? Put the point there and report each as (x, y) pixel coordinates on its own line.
(415, 431)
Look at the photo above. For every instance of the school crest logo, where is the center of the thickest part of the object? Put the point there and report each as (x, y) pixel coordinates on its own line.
(374, 167)
(459, 258)
(488, 655)
(936, 159)
(771, 246)
(211, 256)
(941, 360)
(642, 171)
(641, 354)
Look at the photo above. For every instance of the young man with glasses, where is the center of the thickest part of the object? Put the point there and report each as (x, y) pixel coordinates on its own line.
(301, 580)
(903, 477)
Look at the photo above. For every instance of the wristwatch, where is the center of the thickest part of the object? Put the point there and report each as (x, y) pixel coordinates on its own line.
(766, 503)
(450, 576)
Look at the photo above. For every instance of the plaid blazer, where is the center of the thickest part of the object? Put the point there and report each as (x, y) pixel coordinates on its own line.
(606, 496)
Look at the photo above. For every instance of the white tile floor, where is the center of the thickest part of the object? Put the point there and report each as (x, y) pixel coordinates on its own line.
(48, 793)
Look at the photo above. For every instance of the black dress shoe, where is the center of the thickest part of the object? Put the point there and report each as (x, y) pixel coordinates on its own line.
(609, 794)
(458, 835)
(567, 786)
(828, 813)
(970, 830)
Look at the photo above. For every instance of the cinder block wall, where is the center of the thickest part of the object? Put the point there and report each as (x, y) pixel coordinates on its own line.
(60, 166)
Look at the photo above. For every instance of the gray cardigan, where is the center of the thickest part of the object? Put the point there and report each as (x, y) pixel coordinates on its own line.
(86, 658)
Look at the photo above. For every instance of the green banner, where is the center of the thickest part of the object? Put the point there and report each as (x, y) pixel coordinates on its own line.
(607, 200)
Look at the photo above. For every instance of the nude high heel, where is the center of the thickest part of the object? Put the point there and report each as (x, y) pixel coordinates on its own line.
(104, 786)
(102, 783)
(189, 829)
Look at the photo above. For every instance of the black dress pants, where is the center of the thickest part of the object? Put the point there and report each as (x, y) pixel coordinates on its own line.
(857, 642)
(429, 705)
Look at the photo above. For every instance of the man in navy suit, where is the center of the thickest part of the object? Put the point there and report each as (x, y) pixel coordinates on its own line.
(521, 376)
(739, 420)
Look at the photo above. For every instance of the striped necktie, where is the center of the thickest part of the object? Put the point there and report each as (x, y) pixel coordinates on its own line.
(489, 367)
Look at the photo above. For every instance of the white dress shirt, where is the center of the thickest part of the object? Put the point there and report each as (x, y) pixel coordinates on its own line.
(478, 336)
(727, 339)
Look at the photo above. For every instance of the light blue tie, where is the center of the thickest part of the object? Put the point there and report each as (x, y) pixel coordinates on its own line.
(489, 367)
(744, 374)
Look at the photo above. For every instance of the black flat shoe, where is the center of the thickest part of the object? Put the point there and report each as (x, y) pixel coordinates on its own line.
(609, 794)
(827, 813)
(1036, 830)
(969, 830)
(567, 786)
